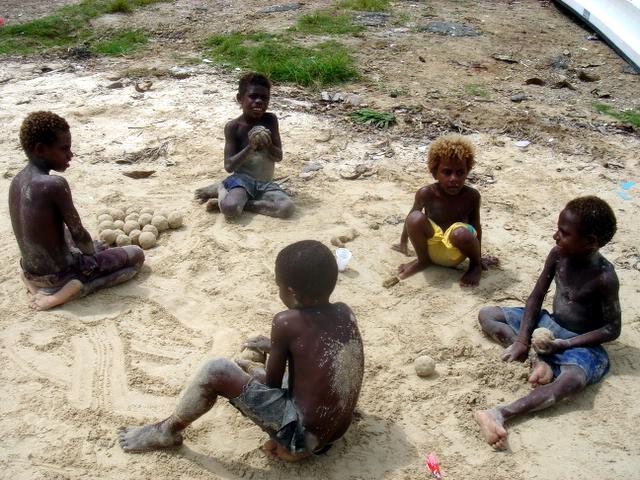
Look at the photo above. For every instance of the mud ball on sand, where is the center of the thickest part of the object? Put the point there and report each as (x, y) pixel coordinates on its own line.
(106, 225)
(160, 223)
(152, 229)
(118, 224)
(147, 210)
(144, 219)
(117, 214)
(123, 240)
(175, 220)
(424, 365)
(108, 236)
(129, 226)
(131, 216)
(133, 235)
(147, 240)
(105, 217)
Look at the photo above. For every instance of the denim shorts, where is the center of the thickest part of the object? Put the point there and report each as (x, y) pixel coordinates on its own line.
(254, 188)
(594, 361)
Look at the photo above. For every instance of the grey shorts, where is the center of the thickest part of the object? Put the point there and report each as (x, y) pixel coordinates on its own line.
(273, 410)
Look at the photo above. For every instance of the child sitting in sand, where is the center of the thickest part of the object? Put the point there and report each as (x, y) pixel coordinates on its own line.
(586, 313)
(59, 259)
(252, 146)
(318, 340)
(444, 222)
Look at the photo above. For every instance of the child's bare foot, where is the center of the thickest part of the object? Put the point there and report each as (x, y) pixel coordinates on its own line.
(43, 301)
(205, 193)
(488, 261)
(212, 205)
(276, 451)
(148, 437)
(541, 374)
(401, 247)
(471, 277)
(407, 269)
(491, 427)
(30, 286)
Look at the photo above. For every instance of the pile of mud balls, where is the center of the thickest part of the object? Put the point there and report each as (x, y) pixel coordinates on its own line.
(133, 226)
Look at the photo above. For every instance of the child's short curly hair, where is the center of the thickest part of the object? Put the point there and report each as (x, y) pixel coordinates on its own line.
(595, 217)
(450, 146)
(252, 79)
(41, 127)
(308, 267)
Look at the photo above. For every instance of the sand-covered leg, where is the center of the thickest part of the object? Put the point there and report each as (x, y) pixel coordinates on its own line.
(69, 291)
(233, 203)
(420, 231)
(205, 193)
(494, 324)
(217, 377)
(134, 263)
(273, 204)
(469, 245)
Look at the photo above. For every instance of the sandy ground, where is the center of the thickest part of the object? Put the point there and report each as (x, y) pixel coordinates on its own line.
(73, 375)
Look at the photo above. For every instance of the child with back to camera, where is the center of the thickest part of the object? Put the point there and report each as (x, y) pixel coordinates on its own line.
(586, 313)
(320, 343)
(252, 148)
(58, 258)
(444, 222)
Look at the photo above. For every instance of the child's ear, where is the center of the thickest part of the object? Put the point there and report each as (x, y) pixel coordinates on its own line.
(238, 97)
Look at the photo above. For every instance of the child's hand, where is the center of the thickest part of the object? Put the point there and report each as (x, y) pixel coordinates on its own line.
(516, 352)
(259, 137)
(545, 346)
(259, 342)
(401, 247)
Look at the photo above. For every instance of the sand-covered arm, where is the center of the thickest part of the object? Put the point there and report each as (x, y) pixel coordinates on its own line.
(62, 197)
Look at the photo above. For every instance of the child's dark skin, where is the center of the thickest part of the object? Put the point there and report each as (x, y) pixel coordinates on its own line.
(256, 158)
(41, 211)
(586, 302)
(310, 336)
(445, 202)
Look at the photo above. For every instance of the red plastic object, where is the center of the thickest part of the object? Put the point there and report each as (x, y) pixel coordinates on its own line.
(433, 465)
(1, 21)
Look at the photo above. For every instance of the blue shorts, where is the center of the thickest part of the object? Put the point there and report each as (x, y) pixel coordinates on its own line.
(593, 360)
(254, 188)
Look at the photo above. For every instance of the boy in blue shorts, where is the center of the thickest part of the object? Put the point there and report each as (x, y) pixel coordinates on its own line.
(586, 313)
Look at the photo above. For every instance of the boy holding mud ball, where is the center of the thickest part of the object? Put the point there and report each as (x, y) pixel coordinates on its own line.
(59, 260)
(252, 147)
(586, 313)
(444, 222)
(321, 344)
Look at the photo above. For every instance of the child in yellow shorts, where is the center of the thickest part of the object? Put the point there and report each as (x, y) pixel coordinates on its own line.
(444, 222)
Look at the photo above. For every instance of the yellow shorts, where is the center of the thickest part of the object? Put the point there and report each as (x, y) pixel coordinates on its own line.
(441, 250)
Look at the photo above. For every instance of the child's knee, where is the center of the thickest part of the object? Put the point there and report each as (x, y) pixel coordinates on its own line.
(136, 256)
(229, 208)
(488, 315)
(573, 379)
(286, 209)
(461, 236)
(416, 222)
(217, 367)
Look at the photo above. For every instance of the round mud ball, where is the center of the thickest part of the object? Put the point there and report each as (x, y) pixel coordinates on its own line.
(123, 240)
(131, 216)
(106, 225)
(108, 236)
(424, 365)
(119, 232)
(133, 235)
(160, 223)
(163, 213)
(144, 219)
(147, 240)
(117, 214)
(105, 216)
(175, 220)
(118, 224)
(130, 225)
(147, 210)
(103, 211)
(253, 355)
(152, 229)
(132, 209)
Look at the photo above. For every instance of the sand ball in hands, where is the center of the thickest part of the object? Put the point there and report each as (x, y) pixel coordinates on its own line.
(253, 355)
(144, 219)
(123, 240)
(160, 223)
(424, 365)
(147, 240)
(108, 236)
(175, 220)
(259, 136)
(152, 229)
(540, 336)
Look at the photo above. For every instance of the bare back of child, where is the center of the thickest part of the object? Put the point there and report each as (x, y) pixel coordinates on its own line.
(320, 343)
(586, 313)
(59, 259)
(444, 222)
(252, 147)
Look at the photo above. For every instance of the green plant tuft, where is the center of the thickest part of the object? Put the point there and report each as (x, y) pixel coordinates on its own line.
(374, 117)
(326, 23)
(631, 116)
(280, 58)
(366, 5)
(119, 6)
(476, 90)
(122, 42)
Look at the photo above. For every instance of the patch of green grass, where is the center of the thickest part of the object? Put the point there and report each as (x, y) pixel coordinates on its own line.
(366, 5)
(122, 42)
(475, 90)
(627, 116)
(63, 27)
(326, 22)
(280, 58)
(374, 117)
(398, 92)
(401, 18)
